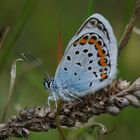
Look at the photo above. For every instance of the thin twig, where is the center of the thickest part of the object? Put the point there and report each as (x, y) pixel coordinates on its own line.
(10, 94)
(129, 28)
(3, 35)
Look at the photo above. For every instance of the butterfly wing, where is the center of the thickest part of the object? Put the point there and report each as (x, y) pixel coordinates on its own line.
(90, 60)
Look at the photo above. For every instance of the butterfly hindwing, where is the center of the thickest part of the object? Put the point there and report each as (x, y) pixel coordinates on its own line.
(89, 62)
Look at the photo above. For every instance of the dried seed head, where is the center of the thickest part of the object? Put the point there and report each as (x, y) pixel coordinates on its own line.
(133, 100)
(114, 110)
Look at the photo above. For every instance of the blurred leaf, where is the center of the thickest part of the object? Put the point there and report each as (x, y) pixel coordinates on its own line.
(10, 94)
(3, 34)
(129, 6)
(16, 30)
(91, 7)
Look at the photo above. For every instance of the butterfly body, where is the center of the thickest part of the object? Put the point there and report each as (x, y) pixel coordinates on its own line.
(89, 62)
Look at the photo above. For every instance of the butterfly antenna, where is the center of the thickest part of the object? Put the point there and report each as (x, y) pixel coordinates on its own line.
(33, 61)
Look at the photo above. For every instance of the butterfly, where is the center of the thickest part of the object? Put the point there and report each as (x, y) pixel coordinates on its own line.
(89, 62)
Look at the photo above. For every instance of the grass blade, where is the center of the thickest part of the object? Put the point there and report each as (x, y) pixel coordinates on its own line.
(16, 30)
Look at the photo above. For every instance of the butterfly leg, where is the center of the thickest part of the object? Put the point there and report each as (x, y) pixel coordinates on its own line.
(55, 100)
(50, 98)
(71, 95)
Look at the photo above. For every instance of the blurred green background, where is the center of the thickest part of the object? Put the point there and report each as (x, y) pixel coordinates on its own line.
(38, 26)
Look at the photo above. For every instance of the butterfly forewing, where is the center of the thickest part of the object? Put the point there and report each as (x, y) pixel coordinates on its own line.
(89, 62)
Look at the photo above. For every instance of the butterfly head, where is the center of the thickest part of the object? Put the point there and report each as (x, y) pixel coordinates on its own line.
(48, 84)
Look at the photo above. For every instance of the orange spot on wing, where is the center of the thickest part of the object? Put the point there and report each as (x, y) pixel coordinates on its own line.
(102, 62)
(102, 70)
(92, 40)
(100, 50)
(83, 40)
(98, 46)
(103, 75)
(100, 53)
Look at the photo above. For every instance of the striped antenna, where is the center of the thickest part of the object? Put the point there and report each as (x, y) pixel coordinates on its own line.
(33, 61)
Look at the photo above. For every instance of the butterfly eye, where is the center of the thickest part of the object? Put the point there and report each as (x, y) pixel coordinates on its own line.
(47, 84)
(100, 26)
(94, 22)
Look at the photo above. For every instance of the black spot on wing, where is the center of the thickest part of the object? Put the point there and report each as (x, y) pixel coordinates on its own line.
(90, 54)
(77, 52)
(89, 68)
(68, 58)
(90, 84)
(85, 50)
(65, 69)
(78, 63)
